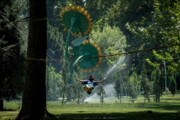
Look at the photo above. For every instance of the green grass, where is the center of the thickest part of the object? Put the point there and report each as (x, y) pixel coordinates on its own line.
(11, 110)
(167, 109)
(113, 108)
(121, 116)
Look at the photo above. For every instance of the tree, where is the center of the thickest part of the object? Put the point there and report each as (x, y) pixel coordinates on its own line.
(156, 77)
(133, 85)
(79, 92)
(161, 28)
(65, 74)
(54, 84)
(145, 84)
(12, 60)
(165, 34)
(132, 12)
(118, 88)
(55, 47)
(111, 41)
(101, 93)
(98, 8)
(164, 30)
(173, 85)
(34, 94)
(136, 81)
(77, 88)
(131, 91)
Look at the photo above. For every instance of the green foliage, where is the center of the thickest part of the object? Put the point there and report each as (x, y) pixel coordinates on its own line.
(111, 41)
(98, 8)
(146, 84)
(160, 28)
(164, 29)
(136, 81)
(156, 77)
(128, 11)
(78, 92)
(131, 91)
(118, 87)
(12, 60)
(55, 47)
(173, 86)
(54, 84)
(132, 87)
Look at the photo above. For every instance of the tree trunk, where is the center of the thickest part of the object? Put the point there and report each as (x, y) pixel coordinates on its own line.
(78, 97)
(102, 98)
(120, 98)
(144, 99)
(34, 94)
(69, 92)
(1, 105)
(63, 97)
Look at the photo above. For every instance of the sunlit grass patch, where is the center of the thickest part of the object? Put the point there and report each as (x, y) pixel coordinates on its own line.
(12, 105)
(8, 115)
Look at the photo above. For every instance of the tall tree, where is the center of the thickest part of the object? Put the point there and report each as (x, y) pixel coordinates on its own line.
(98, 8)
(156, 77)
(101, 92)
(118, 87)
(166, 26)
(145, 84)
(12, 62)
(173, 86)
(164, 30)
(34, 94)
(55, 46)
(54, 83)
(131, 91)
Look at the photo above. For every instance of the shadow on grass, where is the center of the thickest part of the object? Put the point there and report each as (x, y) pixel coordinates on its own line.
(169, 107)
(162, 106)
(149, 115)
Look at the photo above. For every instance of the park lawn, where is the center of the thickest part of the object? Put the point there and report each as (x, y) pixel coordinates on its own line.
(167, 109)
(113, 108)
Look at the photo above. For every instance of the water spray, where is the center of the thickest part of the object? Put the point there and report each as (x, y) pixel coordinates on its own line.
(118, 63)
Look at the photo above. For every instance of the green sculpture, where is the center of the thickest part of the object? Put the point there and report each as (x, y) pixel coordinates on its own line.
(88, 56)
(76, 21)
